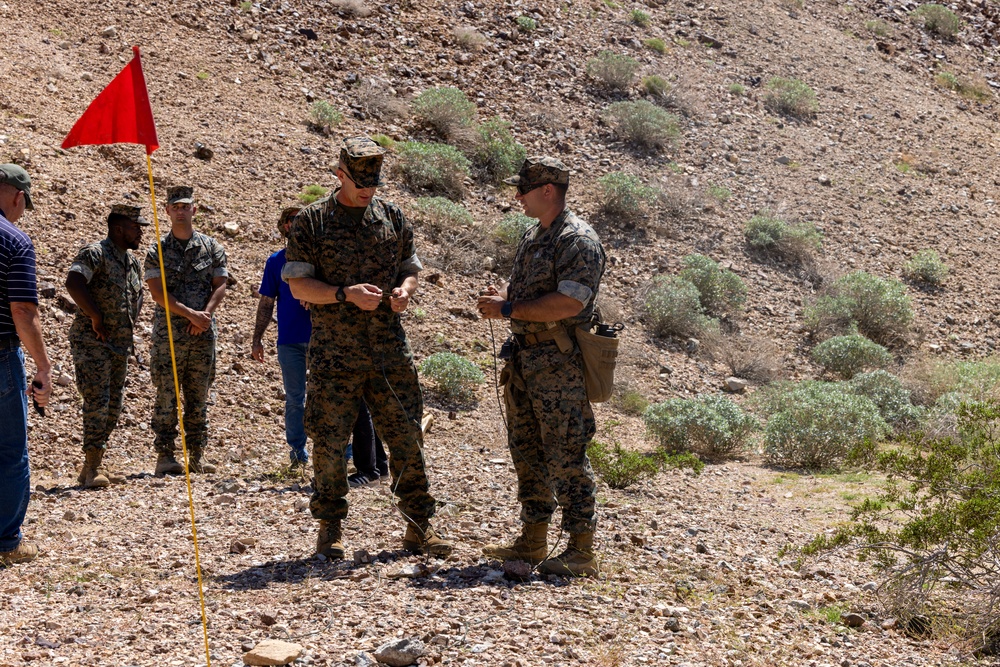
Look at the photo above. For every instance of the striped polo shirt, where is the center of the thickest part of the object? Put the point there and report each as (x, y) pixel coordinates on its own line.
(17, 272)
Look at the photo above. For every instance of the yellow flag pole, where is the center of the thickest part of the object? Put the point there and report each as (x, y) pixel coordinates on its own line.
(180, 412)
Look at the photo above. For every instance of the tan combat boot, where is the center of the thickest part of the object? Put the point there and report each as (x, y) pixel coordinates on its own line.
(166, 464)
(531, 546)
(90, 477)
(420, 538)
(25, 551)
(577, 561)
(197, 464)
(329, 542)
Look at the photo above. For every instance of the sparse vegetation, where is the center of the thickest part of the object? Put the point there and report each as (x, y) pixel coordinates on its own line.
(469, 38)
(877, 307)
(736, 89)
(970, 89)
(720, 193)
(750, 358)
(847, 356)
(620, 468)
(511, 228)
(790, 97)
(938, 19)
(639, 18)
(891, 398)
(655, 85)
(447, 110)
(672, 307)
(384, 140)
(202, 75)
(794, 242)
(324, 115)
(526, 23)
(454, 377)
(613, 70)
(311, 193)
(656, 44)
(712, 426)
(497, 153)
(642, 123)
(631, 402)
(246, 6)
(436, 167)
(878, 27)
(442, 212)
(625, 196)
(926, 267)
(720, 290)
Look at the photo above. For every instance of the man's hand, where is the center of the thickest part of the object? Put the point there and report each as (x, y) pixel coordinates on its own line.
(305, 304)
(97, 324)
(200, 320)
(399, 300)
(364, 296)
(489, 306)
(257, 351)
(41, 394)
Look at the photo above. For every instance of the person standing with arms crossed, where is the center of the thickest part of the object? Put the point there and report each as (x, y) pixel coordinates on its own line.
(19, 324)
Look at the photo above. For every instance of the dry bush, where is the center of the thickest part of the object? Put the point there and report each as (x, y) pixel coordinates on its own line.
(682, 96)
(377, 100)
(469, 39)
(677, 200)
(457, 249)
(927, 379)
(749, 357)
(352, 8)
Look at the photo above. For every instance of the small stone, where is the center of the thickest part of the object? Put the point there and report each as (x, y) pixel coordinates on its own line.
(363, 660)
(823, 179)
(51, 88)
(783, 160)
(203, 152)
(489, 264)
(701, 547)
(870, 586)
(409, 571)
(400, 652)
(231, 228)
(87, 76)
(888, 624)
(241, 545)
(225, 499)
(637, 540)
(110, 32)
(801, 605)
(725, 567)
(267, 619)
(272, 652)
(852, 620)
(949, 319)
(734, 384)
(70, 515)
(362, 557)
(64, 380)
(517, 570)
(693, 344)
(673, 624)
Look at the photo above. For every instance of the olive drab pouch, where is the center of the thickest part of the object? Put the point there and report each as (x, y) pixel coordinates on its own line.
(599, 349)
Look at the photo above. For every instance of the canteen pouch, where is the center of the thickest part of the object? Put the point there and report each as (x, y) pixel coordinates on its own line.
(600, 356)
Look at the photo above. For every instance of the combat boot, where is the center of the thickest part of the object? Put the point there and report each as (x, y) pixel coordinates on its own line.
(330, 542)
(166, 464)
(531, 546)
(24, 552)
(421, 538)
(577, 561)
(90, 477)
(198, 465)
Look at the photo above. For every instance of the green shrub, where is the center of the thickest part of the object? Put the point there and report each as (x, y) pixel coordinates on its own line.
(679, 460)
(447, 110)
(794, 242)
(878, 27)
(436, 167)
(719, 192)
(631, 402)
(655, 85)
(624, 195)
(639, 17)
(672, 307)
(526, 23)
(938, 19)
(620, 468)
(886, 391)
(926, 267)
(847, 356)
(455, 377)
(511, 228)
(860, 302)
(708, 425)
(721, 291)
(311, 193)
(736, 89)
(384, 140)
(615, 71)
(790, 97)
(816, 424)
(442, 212)
(642, 123)
(656, 44)
(497, 153)
(323, 115)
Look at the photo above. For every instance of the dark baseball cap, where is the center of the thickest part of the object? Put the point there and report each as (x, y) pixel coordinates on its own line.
(362, 160)
(12, 174)
(180, 194)
(130, 212)
(540, 170)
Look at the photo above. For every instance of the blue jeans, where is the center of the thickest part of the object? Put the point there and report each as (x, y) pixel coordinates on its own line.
(292, 359)
(14, 487)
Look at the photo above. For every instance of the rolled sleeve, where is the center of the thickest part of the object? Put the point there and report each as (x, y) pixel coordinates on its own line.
(411, 266)
(82, 269)
(220, 272)
(297, 270)
(151, 273)
(575, 290)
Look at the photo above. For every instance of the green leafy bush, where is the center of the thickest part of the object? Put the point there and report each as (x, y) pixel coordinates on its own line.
(324, 115)
(442, 212)
(721, 291)
(655, 85)
(847, 356)
(642, 123)
(511, 228)
(384, 140)
(672, 307)
(526, 23)
(816, 424)
(624, 195)
(719, 192)
(860, 302)
(311, 193)
(736, 89)
(708, 425)
(620, 468)
(926, 267)
(447, 110)
(790, 97)
(436, 167)
(454, 377)
(679, 460)
(656, 44)
(497, 152)
(639, 17)
(614, 71)
(886, 391)
(794, 242)
(938, 19)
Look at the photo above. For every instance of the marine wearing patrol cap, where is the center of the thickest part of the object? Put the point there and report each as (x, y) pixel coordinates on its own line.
(180, 194)
(362, 159)
(537, 171)
(130, 212)
(15, 176)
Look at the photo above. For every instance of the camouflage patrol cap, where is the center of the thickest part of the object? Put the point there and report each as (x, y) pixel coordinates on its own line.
(540, 170)
(130, 212)
(180, 194)
(286, 216)
(18, 178)
(362, 160)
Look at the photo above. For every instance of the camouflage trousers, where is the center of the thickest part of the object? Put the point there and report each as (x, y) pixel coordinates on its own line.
(549, 423)
(100, 378)
(397, 407)
(195, 373)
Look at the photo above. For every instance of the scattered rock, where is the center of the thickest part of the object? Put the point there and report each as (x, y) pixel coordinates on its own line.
(409, 571)
(400, 652)
(852, 620)
(231, 228)
(801, 605)
(824, 180)
(734, 384)
(64, 380)
(225, 499)
(517, 570)
(203, 152)
(272, 652)
(110, 32)
(241, 545)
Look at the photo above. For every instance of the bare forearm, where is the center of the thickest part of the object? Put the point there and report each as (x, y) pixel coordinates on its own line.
(218, 294)
(410, 284)
(265, 309)
(176, 307)
(29, 330)
(312, 290)
(76, 285)
(550, 307)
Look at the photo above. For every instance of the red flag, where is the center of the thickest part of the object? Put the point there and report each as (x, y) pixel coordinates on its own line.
(119, 115)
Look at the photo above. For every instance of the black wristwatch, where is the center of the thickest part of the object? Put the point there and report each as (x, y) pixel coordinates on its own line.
(341, 294)
(506, 309)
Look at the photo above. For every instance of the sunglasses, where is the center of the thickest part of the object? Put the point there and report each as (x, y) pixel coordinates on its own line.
(523, 188)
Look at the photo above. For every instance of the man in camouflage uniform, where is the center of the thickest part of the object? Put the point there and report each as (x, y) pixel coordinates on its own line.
(106, 284)
(351, 255)
(196, 284)
(552, 290)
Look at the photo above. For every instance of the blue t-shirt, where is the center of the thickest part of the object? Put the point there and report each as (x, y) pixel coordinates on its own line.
(17, 273)
(294, 325)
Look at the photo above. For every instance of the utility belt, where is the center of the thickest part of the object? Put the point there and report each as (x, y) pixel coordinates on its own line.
(560, 334)
(9, 342)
